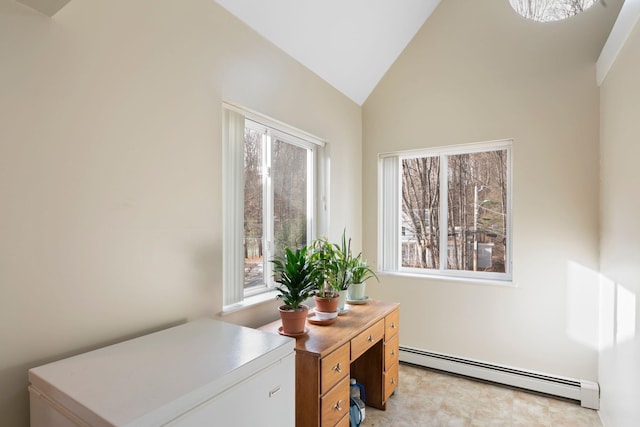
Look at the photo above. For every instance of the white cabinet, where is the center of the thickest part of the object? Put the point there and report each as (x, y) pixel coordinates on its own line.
(203, 373)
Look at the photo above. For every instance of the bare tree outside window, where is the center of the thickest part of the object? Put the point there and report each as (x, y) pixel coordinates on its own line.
(253, 208)
(289, 176)
(476, 211)
(420, 212)
(477, 227)
(276, 183)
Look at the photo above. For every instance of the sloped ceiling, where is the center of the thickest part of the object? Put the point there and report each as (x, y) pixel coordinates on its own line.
(348, 43)
(47, 7)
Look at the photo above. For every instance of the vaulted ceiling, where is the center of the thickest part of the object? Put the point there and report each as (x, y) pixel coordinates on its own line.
(47, 7)
(350, 44)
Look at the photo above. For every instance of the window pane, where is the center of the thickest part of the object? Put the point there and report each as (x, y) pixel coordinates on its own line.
(253, 209)
(289, 180)
(477, 213)
(420, 212)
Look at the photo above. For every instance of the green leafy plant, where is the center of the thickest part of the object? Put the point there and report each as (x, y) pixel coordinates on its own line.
(360, 270)
(297, 276)
(335, 262)
(339, 270)
(323, 257)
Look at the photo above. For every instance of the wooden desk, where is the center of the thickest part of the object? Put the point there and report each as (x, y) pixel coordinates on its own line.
(363, 344)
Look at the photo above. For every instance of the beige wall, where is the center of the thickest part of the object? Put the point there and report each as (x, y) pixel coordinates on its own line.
(476, 72)
(110, 169)
(620, 238)
(110, 177)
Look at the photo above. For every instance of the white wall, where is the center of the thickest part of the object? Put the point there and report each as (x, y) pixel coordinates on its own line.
(619, 367)
(110, 169)
(477, 72)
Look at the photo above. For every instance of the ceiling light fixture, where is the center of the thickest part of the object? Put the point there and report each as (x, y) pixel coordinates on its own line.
(550, 10)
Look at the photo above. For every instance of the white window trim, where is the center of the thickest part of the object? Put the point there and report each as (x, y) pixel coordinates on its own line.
(390, 210)
(234, 296)
(273, 123)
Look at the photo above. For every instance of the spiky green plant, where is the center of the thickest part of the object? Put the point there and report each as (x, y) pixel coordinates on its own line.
(334, 260)
(360, 270)
(296, 275)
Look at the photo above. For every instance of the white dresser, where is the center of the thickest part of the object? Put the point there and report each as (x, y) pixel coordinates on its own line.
(202, 373)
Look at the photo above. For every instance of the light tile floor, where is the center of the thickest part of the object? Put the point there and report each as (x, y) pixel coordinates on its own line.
(428, 398)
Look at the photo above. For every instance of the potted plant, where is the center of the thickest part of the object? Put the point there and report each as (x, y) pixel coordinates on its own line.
(360, 272)
(324, 258)
(297, 277)
(339, 271)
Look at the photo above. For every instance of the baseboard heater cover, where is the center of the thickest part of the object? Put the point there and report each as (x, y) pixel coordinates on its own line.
(586, 392)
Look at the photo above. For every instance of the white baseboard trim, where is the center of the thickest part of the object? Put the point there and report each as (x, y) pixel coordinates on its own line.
(586, 392)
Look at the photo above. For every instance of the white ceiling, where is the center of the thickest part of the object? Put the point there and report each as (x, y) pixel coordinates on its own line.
(349, 43)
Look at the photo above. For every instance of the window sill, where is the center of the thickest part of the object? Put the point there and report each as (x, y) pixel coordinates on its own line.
(467, 280)
(249, 302)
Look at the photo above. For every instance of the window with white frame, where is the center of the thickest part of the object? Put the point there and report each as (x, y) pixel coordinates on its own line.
(272, 177)
(447, 211)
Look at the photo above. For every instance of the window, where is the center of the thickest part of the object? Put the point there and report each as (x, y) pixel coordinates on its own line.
(465, 234)
(270, 185)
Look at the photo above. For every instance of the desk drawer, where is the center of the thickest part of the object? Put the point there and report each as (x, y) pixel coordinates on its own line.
(366, 339)
(391, 352)
(334, 367)
(335, 404)
(344, 422)
(390, 381)
(391, 324)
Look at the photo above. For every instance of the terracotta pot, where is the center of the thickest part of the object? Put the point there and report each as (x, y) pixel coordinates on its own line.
(327, 305)
(293, 321)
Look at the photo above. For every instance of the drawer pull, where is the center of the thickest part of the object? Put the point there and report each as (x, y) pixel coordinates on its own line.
(337, 406)
(393, 352)
(393, 325)
(370, 338)
(274, 391)
(393, 380)
(338, 367)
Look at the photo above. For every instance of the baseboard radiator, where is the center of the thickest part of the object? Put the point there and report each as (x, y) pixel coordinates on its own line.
(586, 392)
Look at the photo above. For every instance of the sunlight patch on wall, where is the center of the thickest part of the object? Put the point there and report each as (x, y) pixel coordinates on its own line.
(600, 313)
(583, 305)
(625, 314)
(607, 312)
(618, 311)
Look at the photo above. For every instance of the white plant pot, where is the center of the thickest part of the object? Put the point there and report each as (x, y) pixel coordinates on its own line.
(343, 298)
(356, 291)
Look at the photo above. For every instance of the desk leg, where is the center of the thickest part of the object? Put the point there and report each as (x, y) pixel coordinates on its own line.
(368, 369)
